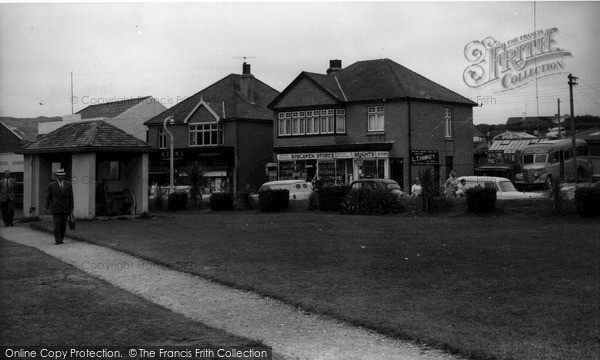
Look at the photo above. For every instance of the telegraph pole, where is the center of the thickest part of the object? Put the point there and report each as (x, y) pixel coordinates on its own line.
(573, 82)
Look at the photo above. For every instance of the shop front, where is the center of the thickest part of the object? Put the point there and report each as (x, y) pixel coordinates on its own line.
(218, 164)
(334, 168)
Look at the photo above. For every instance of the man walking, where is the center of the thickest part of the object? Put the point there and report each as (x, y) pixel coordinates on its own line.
(7, 199)
(59, 198)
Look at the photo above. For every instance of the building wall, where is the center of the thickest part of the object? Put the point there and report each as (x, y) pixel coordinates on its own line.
(255, 150)
(83, 175)
(427, 133)
(305, 92)
(10, 142)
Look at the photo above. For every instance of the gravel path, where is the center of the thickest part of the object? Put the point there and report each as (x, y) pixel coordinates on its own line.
(291, 333)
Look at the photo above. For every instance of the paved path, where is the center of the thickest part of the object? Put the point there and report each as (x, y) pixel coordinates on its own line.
(291, 333)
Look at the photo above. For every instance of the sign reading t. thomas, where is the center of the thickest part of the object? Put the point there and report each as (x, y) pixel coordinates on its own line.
(516, 62)
(424, 157)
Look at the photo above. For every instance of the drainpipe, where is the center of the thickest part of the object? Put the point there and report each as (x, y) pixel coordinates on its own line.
(409, 147)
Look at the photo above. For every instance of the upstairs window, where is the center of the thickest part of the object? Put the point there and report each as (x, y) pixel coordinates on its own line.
(285, 124)
(312, 122)
(340, 121)
(448, 121)
(298, 123)
(327, 121)
(206, 134)
(375, 118)
(162, 138)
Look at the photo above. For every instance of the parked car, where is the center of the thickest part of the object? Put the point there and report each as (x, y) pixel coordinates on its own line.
(299, 189)
(505, 190)
(374, 184)
(166, 190)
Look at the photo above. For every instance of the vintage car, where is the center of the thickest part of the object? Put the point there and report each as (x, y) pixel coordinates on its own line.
(505, 190)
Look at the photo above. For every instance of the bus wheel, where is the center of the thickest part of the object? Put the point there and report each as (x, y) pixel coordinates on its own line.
(579, 174)
(548, 184)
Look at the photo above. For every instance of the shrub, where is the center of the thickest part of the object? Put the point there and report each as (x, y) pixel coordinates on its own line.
(178, 201)
(244, 201)
(587, 201)
(481, 199)
(332, 198)
(159, 201)
(313, 201)
(371, 202)
(427, 190)
(221, 201)
(274, 200)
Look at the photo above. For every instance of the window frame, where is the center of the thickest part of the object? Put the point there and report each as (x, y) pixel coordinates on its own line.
(162, 138)
(377, 114)
(448, 123)
(200, 132)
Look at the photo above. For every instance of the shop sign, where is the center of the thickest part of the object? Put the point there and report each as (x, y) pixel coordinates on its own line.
(424, 157)
(343, 155)
(165, 155)
(371, 154)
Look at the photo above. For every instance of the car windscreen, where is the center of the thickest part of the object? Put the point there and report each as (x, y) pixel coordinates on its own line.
(506, 186)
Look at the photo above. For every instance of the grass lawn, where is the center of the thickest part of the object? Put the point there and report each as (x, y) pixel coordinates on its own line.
(500, 286)
(46, 302)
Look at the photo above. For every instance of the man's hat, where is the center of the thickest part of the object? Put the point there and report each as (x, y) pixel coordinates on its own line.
(61, 172)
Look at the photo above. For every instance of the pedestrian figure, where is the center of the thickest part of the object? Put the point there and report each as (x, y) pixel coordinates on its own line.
(59, 199)
(461, 188)
(451, 185)
(7, 199)
(416, 189)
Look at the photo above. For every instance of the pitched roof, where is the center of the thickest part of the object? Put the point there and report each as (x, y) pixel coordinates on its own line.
(25, 129)
(110, 109)
(226, 100)
(86, 136)
(379, 79)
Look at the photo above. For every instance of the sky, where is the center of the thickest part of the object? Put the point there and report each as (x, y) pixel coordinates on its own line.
(173, 50)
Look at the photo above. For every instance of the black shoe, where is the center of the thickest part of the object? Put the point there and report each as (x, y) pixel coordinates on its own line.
(11, 224)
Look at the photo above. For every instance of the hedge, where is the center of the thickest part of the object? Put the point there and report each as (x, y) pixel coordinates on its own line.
(371, 202)
(221, 201)
(332, 198)
(481, 199)
(177, 201)
(587, 201)
(274, 200)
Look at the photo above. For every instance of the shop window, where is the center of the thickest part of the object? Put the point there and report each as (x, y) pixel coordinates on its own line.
(448, 121)
(375, 118)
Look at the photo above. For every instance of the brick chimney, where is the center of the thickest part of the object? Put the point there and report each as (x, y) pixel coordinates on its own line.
(247, 83)
(334, 66)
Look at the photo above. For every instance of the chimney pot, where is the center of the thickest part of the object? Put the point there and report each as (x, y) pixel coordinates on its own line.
(246, 69)
(334, 66)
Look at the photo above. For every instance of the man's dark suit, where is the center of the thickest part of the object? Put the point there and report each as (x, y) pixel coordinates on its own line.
(60, 201)
(7, 200)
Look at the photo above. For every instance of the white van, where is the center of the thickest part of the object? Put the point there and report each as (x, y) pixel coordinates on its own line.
(299, 189)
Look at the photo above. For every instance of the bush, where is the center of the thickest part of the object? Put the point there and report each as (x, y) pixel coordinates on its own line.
(481, 200)
(587, 201)
(313, 201)
(159, 201)
(332, 198)
(221, 201)
(178, 201)
(371, 202)
(274, 200)
(244, 201)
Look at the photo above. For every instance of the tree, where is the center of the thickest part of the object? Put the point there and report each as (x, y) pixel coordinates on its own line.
(195, 172)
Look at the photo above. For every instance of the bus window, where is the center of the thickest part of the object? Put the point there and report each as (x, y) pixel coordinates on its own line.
(567, 154)
(555, 157)
(534, 158)
(583, 151)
